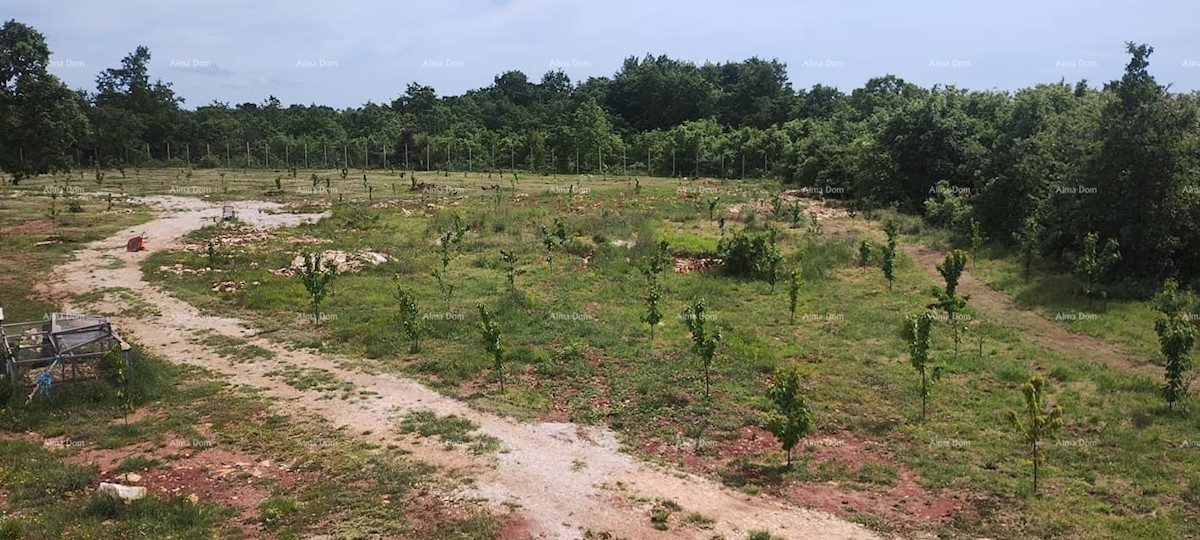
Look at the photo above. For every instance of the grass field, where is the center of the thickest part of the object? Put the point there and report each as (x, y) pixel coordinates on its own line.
(189, 431)
(576, 349)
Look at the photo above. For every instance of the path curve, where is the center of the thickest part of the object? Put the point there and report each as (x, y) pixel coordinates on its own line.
(562, 478)
(1000, 307)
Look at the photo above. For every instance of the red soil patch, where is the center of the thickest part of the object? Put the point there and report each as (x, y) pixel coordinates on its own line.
(194, 467)
(717, 454)
(30, 227)
(133, 417)
(905, 504)
(516, 528)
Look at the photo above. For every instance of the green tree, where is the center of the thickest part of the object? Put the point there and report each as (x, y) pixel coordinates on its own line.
(1095, 264)
(41, 120)
(118, 368)
(659, 92)
(977, 240)
(652, 269)
(130, 110)
(948, 298)
(411, 321)
(1036, 423)
(792, 419)
(1140, 170)
(1176, 337)
(510, 268)
(793, 294)
(652, 316)
(916, 333)
(548, 245)
(1029, 244)
(704, 340)
(317, 275)
(491, 342)
(751, 255)
(446, 254)
(889, 253)
(864, 253)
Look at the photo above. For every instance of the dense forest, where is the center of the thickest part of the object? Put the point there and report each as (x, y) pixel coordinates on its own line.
(1043, 167)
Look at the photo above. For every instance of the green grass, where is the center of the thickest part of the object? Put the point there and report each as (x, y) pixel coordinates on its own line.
(575, 344)
(137, 463)
(762, 535)
(237, 349)
(1126, 322)
(700, 520)
(453, 430)
(50, 495)
(31, 243)
(316, 379)
(55, 498)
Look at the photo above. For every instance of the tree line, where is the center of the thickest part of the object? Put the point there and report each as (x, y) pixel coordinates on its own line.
(1039, 168)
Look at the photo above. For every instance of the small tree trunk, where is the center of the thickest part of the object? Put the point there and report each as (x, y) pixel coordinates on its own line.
(924, 394)
(1035, 470)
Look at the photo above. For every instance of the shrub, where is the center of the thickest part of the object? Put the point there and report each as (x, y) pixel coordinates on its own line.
(750, 254)
(208, 162)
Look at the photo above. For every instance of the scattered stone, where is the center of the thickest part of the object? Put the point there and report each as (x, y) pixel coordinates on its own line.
(122, 492)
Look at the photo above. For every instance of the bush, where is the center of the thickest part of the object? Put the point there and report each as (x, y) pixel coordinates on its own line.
(946, 208)
(208, 162)
(750, 254)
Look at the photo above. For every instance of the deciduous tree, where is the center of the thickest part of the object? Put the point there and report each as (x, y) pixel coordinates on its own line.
(792, 419)
(1036, 422)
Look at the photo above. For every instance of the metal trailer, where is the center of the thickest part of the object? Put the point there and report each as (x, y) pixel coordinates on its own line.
(77, 342)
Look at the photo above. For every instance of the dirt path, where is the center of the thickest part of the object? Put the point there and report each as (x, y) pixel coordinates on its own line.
(1000, 307)
(562, 478)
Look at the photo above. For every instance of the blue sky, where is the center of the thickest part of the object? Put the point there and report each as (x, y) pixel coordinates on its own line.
(347, 53)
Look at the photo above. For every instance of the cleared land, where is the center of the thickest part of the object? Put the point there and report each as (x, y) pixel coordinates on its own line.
(599, 429)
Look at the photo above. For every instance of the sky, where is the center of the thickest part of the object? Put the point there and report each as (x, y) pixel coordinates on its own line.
(346, 53)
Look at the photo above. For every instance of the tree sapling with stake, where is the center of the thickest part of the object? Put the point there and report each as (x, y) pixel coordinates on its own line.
(792, 419)
(317, 275)
(1035, 423)
(916, 333)
(411, 322)
(491, 342)
(704, 342)
(889, 254)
